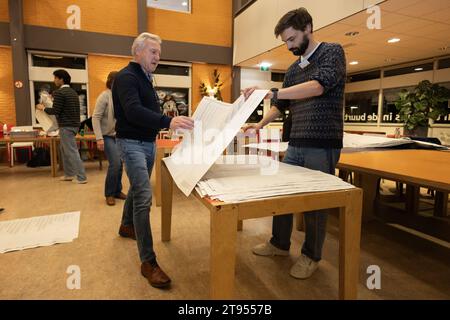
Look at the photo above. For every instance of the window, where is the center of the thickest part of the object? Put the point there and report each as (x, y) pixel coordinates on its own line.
(172, 70)
(56, 61)
(277, 76)
(445, 119)
(174, 5)
(364, 76)
(389, 112)
(410, 69)
(361, 107)
(444, 63)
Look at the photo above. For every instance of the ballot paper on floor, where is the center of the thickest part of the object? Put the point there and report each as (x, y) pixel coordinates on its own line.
(39, 231)
(247, 181)
(216, 124)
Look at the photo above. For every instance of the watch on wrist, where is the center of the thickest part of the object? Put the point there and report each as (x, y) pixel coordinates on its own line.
(274, 93)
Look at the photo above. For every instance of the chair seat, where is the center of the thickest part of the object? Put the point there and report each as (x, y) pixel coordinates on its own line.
(21, 144)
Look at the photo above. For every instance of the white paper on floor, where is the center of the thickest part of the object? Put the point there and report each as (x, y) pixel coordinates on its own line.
(39, 231)
(216, 124)
(239, 178)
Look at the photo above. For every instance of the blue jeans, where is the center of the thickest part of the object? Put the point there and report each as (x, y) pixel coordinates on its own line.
(324, 160)
(113, 182)
(73, 166)
(139, 157)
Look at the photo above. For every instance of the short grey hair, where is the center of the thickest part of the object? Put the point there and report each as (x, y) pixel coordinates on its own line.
(139, 42)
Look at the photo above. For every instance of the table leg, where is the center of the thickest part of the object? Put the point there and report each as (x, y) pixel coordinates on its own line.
(166, 202)
(440, 204)
(299, 222)
(53, 157)
(349, 246)
(158, 191)
(369, 183)
(240, 225)
(223, 252)
(412, 199)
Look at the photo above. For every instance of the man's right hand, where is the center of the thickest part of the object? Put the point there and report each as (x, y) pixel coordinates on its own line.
(251, 126)
(182, 122)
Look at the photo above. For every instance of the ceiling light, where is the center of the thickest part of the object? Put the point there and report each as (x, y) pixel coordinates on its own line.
(264, 66)
(184, 3)
(353, 63)
(352, 33)
(393, 40)
(418, 69)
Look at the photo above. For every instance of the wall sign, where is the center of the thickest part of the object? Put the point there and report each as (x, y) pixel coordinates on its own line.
(18, 84)
(74, 20)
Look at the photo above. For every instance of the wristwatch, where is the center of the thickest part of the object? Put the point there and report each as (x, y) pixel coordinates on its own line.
(275, 93)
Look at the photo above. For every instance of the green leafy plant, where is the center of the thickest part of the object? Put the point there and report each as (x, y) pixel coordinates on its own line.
(206, 90)
(426, 101)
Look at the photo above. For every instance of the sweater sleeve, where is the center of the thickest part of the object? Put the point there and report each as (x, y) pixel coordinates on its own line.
(331, 68)
(58, 104)
(135, 112)
(280, 104)
(100, 106)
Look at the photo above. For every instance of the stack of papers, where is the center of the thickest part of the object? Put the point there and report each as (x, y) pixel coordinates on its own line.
(40, 231)
(363, 141)
(240, 178)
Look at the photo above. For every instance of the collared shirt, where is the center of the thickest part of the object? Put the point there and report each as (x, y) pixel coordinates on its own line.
(148, 75)
(65, 86)
(304, 59)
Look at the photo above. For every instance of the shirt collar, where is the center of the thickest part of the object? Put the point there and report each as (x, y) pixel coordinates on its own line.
(65, 86)
(303, 58)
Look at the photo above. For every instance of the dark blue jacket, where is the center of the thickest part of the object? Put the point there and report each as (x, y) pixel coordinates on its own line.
(136, 106)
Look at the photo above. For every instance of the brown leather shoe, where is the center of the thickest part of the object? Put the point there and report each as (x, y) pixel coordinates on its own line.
(110, 201)
(127, 232)
(155, 276)
(121, 196)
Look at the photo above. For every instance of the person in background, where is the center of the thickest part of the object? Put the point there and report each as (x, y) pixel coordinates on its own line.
(66, 108)
(313, 90)
(104, 124)
(138, 121)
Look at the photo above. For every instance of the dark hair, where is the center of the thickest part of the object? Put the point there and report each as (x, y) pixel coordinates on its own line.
(110, 80)
(62, 74)
(297, 19)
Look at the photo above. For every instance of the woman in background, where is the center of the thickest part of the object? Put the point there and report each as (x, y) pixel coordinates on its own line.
(104, 123)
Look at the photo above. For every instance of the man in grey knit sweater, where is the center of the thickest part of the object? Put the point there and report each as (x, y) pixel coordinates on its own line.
(313, 90)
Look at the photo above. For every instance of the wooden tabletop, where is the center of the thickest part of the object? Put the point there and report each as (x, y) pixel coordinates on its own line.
(166, 143)
(427, 168)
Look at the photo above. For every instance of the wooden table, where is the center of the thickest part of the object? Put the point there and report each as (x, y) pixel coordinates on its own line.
(41, 139)
(224, 226)
(415, 168)
(163, 146)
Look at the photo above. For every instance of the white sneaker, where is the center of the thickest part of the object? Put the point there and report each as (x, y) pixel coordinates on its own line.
(268, 249)
(304, 267)
(66, 178)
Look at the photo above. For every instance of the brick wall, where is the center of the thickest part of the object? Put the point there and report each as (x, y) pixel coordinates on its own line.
(208, 23)
(99, 67)
(114, 17)
(7, 105)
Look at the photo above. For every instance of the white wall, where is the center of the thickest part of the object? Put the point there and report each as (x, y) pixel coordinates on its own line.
(253, 28)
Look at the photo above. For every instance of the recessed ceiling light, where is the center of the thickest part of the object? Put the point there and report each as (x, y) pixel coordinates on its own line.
(393, 40)
(353, 63)
(184, 3)
(265, 64)
(418, 69)
(352, 33)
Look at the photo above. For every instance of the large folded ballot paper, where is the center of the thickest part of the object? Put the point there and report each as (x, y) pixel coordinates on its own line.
(216, 124)
(236, 178)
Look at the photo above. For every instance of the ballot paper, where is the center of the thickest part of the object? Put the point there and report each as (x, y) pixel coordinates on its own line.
(39, 231)
(363, 141)
(243, 182)
(270, 146)
(48, 122)
(216, 123)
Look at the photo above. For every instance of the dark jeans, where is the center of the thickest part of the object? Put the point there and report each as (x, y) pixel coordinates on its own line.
(113, 182)
(73, 166)
(324, 160)
(139, 157)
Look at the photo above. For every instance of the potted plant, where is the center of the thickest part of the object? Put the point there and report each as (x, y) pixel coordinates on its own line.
(416, 107)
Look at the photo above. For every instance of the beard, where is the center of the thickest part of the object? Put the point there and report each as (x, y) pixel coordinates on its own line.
(301, 49)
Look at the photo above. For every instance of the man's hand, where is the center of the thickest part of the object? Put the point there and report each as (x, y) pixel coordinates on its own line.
(101, 145)
(182, 122)
(40, 107)
(251, 127)
(247, 92)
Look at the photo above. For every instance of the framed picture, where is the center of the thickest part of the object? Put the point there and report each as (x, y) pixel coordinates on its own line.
(174, 101)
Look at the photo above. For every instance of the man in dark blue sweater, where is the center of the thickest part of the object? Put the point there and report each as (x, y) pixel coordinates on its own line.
(313, 90)
(138, 120)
